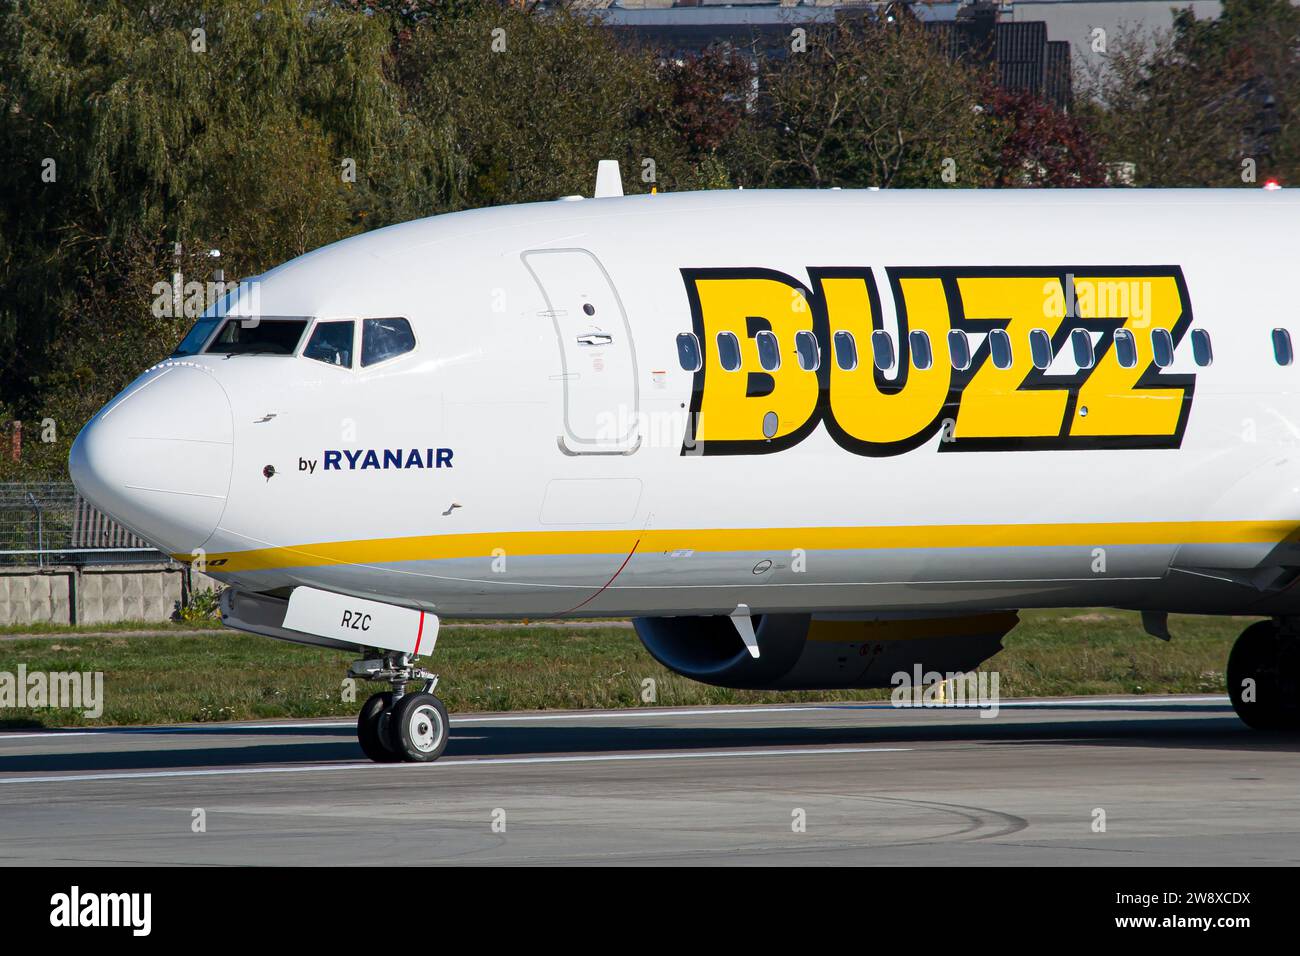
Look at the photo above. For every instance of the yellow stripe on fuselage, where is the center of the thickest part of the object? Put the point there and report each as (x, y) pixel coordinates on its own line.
(379, 551)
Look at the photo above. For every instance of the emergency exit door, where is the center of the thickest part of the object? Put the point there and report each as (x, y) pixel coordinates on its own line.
(598, 364)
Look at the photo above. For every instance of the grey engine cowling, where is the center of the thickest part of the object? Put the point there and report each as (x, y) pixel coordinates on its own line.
(812, 652)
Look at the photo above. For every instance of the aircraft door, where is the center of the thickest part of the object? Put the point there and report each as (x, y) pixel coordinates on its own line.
(598, 360)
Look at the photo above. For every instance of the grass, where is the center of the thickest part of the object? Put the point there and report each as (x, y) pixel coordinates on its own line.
(230, 676)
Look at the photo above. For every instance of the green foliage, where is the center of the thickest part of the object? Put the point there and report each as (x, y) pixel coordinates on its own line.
(533, 101)
(223, 126)
(1188, 106)
(874, 104)
(203, 605)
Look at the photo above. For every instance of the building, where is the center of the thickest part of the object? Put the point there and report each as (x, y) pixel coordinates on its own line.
(1026, 59)
(1036, 44)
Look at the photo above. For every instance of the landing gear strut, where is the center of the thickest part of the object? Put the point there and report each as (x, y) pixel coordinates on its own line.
(1264, 676)
(396, 725)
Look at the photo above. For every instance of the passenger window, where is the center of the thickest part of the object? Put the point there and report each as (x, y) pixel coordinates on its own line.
(331, 343)
(1000, 348)
(882, 349)
(688, 351)
(769, 351)
(846, 351)
(1162, 347)
(959, 349)
(1126, 348)
(1081, 340)
(1202, 353)
(1282, 347)
(805, 344)
(729, 351)
(1040, 348)
(382, 339)
(922, 357)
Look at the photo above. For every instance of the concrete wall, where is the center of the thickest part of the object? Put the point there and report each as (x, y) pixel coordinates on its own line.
(98, 594)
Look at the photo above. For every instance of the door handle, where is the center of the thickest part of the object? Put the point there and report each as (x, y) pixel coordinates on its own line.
(595, 338)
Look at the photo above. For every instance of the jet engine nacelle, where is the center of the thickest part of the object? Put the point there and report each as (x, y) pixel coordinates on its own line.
(823, 652)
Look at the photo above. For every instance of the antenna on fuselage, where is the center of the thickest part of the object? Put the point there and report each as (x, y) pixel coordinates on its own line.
(609, 181)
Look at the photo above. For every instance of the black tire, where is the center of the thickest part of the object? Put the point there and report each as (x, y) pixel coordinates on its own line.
(371, 727)
(1272, 662)
(419, 728)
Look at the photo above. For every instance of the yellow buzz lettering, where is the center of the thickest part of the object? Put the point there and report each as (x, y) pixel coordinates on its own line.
(738, 406)
(888, 414)
(1114, 405)
(993, 405)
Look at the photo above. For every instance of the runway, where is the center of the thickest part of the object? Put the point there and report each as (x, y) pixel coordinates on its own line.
(1180, 782)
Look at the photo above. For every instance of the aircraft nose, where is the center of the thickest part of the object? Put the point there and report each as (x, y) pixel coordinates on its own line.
(158, 458)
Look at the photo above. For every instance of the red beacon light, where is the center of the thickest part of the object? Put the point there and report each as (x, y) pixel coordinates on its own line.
(1272, 184)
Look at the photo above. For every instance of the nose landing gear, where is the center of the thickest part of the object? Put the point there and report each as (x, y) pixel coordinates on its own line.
(395, 725)
(1264, 676)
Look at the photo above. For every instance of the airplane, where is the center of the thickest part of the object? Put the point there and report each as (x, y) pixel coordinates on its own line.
(806, 439)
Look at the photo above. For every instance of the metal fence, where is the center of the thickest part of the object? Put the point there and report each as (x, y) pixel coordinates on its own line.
(44, 523)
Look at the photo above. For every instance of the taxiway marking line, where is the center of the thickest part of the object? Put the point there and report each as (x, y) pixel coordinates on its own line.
(467, 762)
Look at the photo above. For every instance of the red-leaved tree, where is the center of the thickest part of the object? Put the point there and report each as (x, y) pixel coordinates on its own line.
(708, 94)
(1039, 144)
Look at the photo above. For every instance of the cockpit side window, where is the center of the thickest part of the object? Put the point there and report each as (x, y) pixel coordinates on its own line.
(198, 334)
(382, 339)
(244, 336)
(331, 343)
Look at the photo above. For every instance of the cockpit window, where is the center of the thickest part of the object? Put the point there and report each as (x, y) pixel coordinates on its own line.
(382, 339)
(331, 342)
(192, 344)
(245, 336)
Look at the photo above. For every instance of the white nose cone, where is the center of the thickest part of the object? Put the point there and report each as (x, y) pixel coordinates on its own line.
(158, 458)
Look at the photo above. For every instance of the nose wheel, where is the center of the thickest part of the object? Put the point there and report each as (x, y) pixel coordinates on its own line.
(398, 726)
(418, 727)
(372, 729)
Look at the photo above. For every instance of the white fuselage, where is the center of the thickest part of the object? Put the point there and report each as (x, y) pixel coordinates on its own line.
(528, 458)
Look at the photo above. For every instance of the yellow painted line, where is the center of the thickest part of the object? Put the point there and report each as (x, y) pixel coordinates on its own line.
(722, 540)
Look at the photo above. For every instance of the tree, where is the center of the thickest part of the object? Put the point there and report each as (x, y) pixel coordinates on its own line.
(872, 103)
(1262, 37)
(533, 100)
(1039, 144)
(133, 125)
(405, 15)
(1205, 102)
(708, 96)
